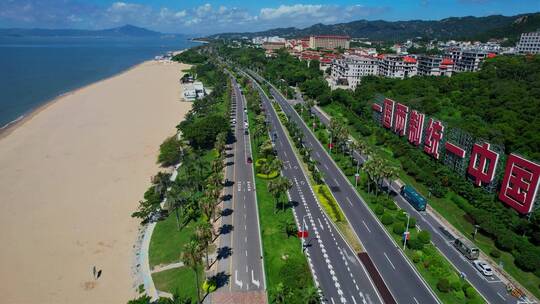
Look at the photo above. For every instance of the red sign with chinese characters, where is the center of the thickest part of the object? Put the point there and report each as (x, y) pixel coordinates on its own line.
(416, 127)
(482, 164)
(520, 183)
(521, 177)
(434, 134)
(388, 113)
(400, 119)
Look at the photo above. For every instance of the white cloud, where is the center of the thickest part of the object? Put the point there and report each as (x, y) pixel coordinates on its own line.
(202, 19)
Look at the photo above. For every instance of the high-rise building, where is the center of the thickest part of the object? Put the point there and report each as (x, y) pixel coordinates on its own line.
(396, 66)
(434, 65)
(529, 43)
(349, 70)
(329, 42)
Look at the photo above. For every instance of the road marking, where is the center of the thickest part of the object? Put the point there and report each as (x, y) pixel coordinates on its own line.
(332, 299)
(236, 281)
(245, 239)
(500, 296)
(337, 183)
(348, 200)
(389, 261)
(246, 252)
(353, 299)
(366, 226)
(322, 227)
(326, 167)
(416, 300)
(255, 282)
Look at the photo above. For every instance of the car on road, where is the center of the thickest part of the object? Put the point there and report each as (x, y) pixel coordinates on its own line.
(447, 233)
(234, 121)
(246, 132)
(249, 160)
(483, 267)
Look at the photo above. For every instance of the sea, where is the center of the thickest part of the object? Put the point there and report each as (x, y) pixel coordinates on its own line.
(34, 70)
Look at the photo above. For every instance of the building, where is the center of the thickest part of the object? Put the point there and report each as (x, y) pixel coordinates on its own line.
(329, 42)
(467, 60)
(434, 66)
(529, 43)
(349, 70)
(271, 46)
(194, 90)
(396, 66)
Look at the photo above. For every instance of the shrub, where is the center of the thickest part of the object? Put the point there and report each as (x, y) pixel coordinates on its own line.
(495, 253)
(209, 286)
(387, 219)
(398, 228)
(170, 152)
(443, 285)
(469, 292)
(455, 285)
(528, 260)
(415, 244)
(412, 222)
(379, 210)
(505, 241)
(424, 237)
(417, 257)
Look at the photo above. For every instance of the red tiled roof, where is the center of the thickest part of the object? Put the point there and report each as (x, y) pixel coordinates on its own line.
(408, 59)
(326, 60)
(380, 56)
(447, 61)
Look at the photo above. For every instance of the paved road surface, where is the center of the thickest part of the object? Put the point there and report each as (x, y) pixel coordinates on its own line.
(336, 269)
(400, 276)
(240, 253)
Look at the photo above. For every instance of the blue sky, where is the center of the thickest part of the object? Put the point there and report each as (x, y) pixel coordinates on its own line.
(205, 17)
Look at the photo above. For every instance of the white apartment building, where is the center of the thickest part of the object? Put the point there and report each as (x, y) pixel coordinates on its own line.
(529, 43)
(467, 60)
(395, 66)
(349, 70)
(434, 66)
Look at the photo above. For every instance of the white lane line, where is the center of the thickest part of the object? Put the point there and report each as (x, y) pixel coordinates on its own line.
(348, 200)
(285, 152)
(326, 167)
(335, 180)
(246, 254)
(388, 261)
(322, 227)
(416, 300)
(245, 239)
(332, 299)
(353, 299)
(247, 269)
(366, 226)
(501, 296)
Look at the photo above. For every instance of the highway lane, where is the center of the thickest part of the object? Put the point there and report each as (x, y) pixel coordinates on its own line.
(400, 276)
(240, 243)
(493, 289)
(336, 269)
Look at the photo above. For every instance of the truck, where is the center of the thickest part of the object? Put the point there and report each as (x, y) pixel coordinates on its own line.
(413, 197)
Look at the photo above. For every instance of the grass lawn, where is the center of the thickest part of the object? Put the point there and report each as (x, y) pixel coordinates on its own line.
(178, 280)
(451, 212)
(167, 242)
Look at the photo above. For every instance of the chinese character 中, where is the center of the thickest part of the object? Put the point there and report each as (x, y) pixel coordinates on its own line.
(482, 164)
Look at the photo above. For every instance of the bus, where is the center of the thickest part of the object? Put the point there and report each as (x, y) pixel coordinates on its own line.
(414, 198)
(467, 248)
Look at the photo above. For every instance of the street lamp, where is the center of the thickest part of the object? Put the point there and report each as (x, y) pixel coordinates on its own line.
(406, 231)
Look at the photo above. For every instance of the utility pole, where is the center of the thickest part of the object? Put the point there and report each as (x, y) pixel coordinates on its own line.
(475, 231)
(406, 231)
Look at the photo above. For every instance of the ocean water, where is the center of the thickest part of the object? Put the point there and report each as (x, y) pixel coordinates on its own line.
(37, 69)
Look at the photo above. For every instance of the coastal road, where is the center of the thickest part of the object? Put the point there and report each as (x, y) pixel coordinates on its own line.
(239, 252)
(337, 271)
(400, 276)
(493, 289)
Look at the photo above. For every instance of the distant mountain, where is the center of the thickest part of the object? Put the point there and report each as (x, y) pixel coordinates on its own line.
(495, 26)
(123, 31)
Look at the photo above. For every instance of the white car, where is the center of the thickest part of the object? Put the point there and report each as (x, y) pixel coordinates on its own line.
(483, 267)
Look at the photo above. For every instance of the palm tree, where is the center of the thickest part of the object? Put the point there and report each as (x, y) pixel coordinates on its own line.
(206, 203)
(278, 187)
(161, 182)
(205, 234)
(221, 142)
(176, 199)
(260, 130)
(311, 295)
(192, 256)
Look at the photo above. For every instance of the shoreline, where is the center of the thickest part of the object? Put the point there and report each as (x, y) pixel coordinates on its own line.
(11, 126)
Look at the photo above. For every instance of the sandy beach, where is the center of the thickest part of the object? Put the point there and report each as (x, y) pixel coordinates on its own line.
(70, 177)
